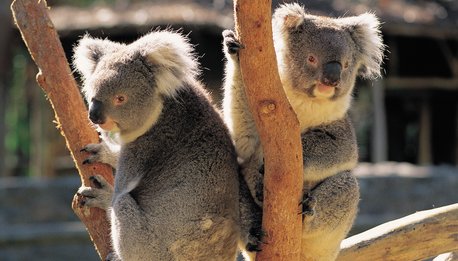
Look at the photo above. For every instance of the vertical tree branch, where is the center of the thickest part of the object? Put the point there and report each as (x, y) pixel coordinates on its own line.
(278, 129)
(55, 78)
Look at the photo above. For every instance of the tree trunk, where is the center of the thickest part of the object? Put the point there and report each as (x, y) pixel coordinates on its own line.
(55, 78)
(278, 129)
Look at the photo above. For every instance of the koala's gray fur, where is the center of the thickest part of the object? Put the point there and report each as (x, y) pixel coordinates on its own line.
(176, 191)
(319, 59)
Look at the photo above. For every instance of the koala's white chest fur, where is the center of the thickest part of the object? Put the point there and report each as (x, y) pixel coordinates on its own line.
(312, 112)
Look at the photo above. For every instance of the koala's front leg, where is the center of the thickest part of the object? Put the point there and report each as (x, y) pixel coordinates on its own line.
(99, 196)
(329, 149)
(230, 43)
(101, 152)
(235, 105)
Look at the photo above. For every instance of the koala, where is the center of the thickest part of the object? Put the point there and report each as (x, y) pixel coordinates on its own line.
(176, 189)
(319, 59)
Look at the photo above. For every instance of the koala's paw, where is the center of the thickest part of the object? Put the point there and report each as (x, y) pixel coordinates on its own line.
(308, 206)
(99, 153)
(96, 150)
(98, 196)
(231, 43)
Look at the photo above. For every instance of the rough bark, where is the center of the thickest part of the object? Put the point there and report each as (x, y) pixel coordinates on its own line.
(278, 129)
(419, 236)
(55, 78)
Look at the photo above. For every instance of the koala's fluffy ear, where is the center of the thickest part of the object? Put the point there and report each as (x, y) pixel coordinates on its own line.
(365, 32)
(89, 51)
(172, 57)
(288, 16)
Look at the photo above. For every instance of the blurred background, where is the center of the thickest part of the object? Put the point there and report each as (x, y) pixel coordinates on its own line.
(406, 122)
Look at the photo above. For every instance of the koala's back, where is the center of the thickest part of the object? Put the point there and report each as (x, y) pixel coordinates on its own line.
(188, 192)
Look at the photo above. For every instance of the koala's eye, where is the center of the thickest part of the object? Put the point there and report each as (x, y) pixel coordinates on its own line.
(120, 99)
(312, 59)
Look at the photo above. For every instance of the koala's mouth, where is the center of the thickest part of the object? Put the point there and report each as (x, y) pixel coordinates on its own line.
(108, 125)
(323, 91)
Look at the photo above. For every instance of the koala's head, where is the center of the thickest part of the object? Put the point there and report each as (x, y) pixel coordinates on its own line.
(321, 56)
(125, 85)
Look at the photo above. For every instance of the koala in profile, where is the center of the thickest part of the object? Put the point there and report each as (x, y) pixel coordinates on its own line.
(319, 59)
(176, 191)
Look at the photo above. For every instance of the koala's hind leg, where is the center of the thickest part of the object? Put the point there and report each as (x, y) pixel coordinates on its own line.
(128, 225)
(214, 238)
(329, 211)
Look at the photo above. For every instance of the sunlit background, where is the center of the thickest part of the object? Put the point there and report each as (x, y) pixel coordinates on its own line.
(406, 122)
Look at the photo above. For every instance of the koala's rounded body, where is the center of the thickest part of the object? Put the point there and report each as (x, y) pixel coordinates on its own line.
(318, 59)
(187, 191)
(176, 191)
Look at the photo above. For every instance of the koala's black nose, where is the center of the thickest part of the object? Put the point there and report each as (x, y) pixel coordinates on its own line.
(331, 73)
(95, 112)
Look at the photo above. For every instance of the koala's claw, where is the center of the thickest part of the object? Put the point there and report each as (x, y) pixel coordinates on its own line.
(86, 161)
(81, 202)
(231, 43)
(100, 182)
(101, 152)
(93, 149)
(91, 159)
(84, 193)
(98, 196)
(97, 181)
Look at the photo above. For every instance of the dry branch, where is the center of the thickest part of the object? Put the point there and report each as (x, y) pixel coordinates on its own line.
(278, 129)
(56, 80)
(419, 236)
